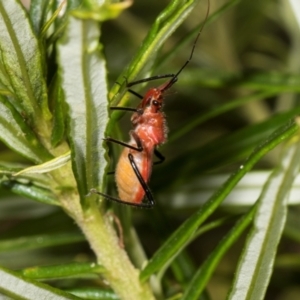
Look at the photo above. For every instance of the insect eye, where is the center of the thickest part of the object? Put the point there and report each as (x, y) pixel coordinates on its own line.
(155, 103)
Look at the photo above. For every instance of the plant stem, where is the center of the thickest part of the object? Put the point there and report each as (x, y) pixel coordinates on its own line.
(122, 276)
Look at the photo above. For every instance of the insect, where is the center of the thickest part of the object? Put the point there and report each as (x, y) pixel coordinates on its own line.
(134, 167)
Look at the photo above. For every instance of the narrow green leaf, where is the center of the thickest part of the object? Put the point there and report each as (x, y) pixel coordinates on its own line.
(240, 143)
(182, 264)
(259, 82)
(204, 273)
(94, 293)
(31, 191)
(22, 61)
(17, 287)
(235, 146)
(272, 80)
(17, 135)
(40, 241)
(256, 264)
(38, 14)
(185, 232)
(83, 74)
(9, 169)
(183, 269)
(198, 120)
(108, 10)
(63, 270)
(34, 186)
(53, 17)
(61, 22)
(58, 106)
(46, 167)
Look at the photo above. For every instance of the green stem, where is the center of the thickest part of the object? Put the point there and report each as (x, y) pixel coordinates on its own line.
(120, 273)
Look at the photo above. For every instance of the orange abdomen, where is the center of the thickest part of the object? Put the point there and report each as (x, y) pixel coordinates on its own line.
(129, 187)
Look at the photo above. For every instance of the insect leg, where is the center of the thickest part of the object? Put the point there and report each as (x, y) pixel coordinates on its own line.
(136, 110)
(142, 182)
(159, 156)
(144, 205)
(129, 84)
(109, 139)
(135, 93)
(112, 140)
(130, 90)
(123, 108)
(138, 147)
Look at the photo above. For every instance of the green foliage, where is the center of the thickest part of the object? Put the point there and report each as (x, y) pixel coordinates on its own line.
(234, 113)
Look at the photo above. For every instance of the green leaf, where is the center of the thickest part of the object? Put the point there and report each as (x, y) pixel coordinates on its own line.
(59, 112)
(64, 270)
(46, 167)
(94, 293)
(256, 264)
(38, 14)
(59, 9)
(82, 69)
(198, 120)
(102, 12)
(204, 273)
(10, 169)
(185, 232)
(17, 135)
(40, 241)
(61, 21)
(17, 287)
(182, 264)
(22, 61)
(235, 146)
(31, 191)
(240, 143)
(32, 185)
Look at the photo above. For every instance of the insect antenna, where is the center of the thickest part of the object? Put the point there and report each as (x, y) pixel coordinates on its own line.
(175, 77)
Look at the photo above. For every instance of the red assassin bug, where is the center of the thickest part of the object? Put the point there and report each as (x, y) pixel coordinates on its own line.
(149, 131)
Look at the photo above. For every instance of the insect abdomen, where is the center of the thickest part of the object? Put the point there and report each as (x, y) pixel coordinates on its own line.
(129, 187)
